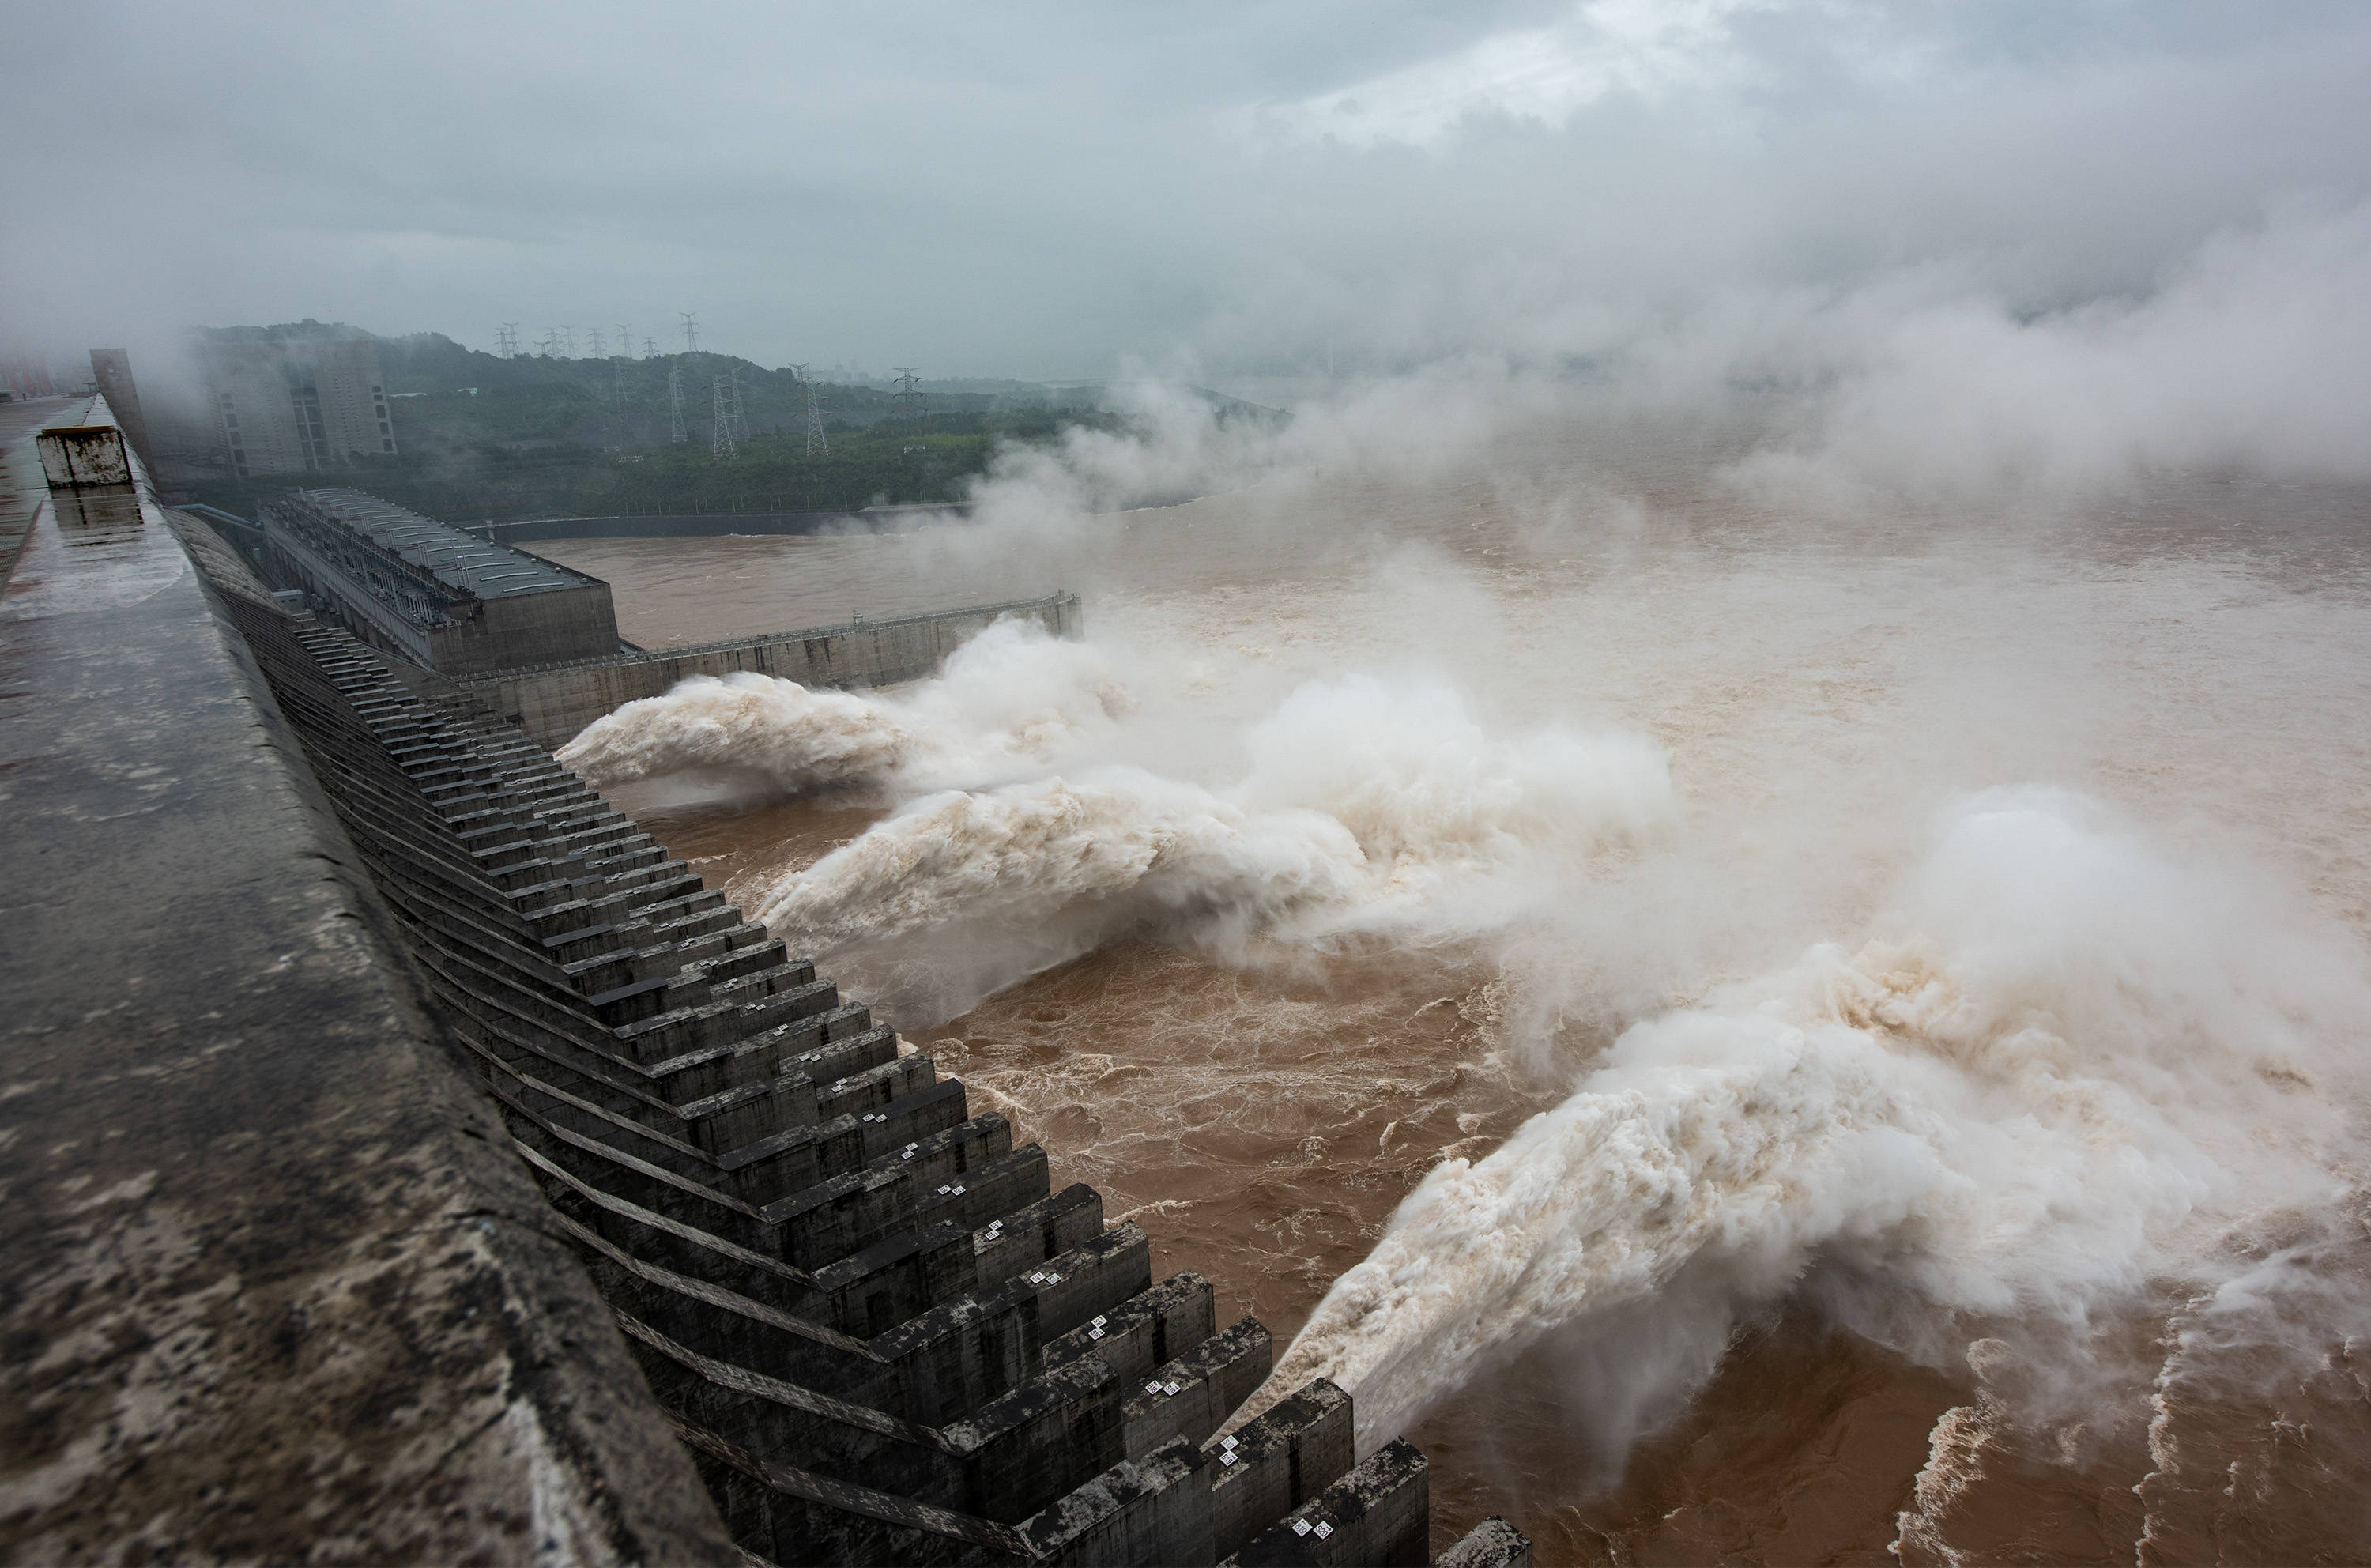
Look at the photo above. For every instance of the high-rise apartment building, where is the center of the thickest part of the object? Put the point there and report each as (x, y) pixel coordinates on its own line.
(291, 405)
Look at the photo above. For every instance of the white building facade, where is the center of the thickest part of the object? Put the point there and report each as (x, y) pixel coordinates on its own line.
(297, 404)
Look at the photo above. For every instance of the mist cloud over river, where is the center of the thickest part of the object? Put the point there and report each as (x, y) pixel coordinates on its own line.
(1609, 908)
(1741, 889)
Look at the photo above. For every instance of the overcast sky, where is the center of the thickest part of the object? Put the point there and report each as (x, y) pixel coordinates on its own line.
(1040, 190)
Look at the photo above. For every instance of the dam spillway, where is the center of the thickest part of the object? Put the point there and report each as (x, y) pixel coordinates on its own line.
(445, 1172)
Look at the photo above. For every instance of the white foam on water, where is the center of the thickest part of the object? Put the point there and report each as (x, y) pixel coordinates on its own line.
(1117, 842)
(2051, 1074)
(1008, 700)
(2062, 1067)
(1025, 832)
(801, 738)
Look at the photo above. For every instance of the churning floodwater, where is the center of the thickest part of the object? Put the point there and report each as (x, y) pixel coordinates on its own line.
(1754, 1030)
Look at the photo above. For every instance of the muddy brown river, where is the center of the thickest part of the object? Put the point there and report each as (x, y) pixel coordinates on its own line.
(1881, 998)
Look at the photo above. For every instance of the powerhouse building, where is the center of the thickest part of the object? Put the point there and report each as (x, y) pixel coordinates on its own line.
(430, 594)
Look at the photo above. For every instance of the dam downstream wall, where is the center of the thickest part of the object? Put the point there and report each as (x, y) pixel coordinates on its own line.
(878, 1332)
(553, 702)
(410, 1160)
(723, 524)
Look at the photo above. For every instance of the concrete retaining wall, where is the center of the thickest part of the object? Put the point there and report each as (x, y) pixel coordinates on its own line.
(552, 703)
(720, 524)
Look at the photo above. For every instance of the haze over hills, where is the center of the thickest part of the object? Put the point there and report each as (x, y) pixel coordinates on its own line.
(481, 436)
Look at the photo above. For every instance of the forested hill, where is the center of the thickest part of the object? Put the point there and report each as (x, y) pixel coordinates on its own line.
(483, 436)
(623, 401)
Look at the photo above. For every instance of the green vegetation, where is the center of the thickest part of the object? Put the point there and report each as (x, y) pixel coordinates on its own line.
(543, 437)
(913, 460)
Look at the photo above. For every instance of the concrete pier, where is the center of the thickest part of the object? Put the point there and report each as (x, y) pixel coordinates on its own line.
(551, 703)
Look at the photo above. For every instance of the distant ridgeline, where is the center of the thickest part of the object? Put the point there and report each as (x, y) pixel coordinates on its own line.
(481, 437)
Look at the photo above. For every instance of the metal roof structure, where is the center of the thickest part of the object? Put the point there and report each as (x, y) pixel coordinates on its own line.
(471, 566)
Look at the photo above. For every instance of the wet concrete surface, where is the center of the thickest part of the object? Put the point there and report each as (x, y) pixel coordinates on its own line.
(276, 1287)
(22, 487)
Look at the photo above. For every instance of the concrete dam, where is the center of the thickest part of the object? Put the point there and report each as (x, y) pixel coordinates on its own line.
(408, 1160)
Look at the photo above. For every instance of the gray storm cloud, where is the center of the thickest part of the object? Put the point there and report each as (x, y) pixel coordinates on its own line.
(1038, 190)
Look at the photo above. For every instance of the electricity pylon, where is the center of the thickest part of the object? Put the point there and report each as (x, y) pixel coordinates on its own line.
(675, 431)
(727, 390)
(817, 445)
(906, 403)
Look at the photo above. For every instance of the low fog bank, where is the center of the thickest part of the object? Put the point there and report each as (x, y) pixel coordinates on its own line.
(2250, 355)
(1906, 902)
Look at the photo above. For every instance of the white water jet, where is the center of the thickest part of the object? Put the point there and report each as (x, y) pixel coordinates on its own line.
(2064, 1067)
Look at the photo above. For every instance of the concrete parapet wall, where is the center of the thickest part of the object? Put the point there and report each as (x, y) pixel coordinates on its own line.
(723, 524)
(553, 703)
(276, 1289)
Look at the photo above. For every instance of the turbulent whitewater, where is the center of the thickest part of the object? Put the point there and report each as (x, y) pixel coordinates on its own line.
(1355, 804)
(2064, 1073)
(1695, 1008)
